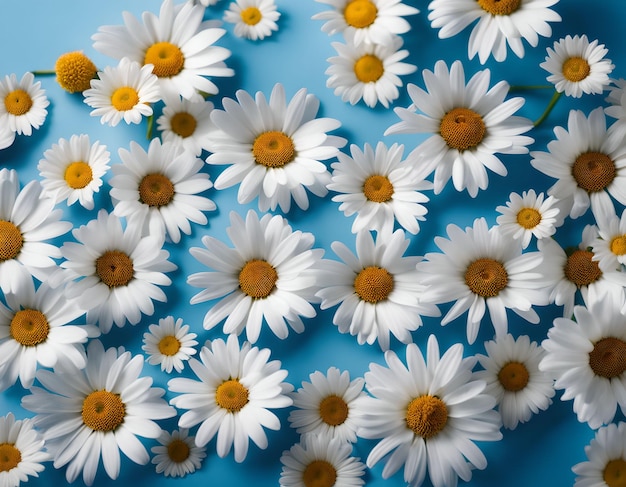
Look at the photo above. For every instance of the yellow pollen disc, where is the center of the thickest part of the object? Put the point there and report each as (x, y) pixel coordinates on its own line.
(426, 416)
(156, 190)
(368, 68)
(78, 175)
(231, 395)
(75, 71)
(114, 268)
(18, 102)
(486, 277)
(528, 218)
(29, 327)
(273, 149)
(462, 129)
(10, 457)
(378, 189)
(333, 410)
(178, 451)
(593, 171)
(257, 279)
(103, 411)
(169, 345)
(608, 357)
(500, 7)
(513, 376)
(124, 98)
(183, 124)
(360, 13)
(167, 58)
(11, 241)
(618, 245)
(576, 69)
(319, 473)
(373, 284)
(251, 16)
(614, 474)
(580, 269)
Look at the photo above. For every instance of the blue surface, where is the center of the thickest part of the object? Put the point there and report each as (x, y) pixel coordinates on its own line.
(33, 33)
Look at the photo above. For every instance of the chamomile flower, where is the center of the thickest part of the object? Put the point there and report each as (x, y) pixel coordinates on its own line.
(617, 104)
(428, 414)
(177, 43)
(609, 248)
(469, 124)
(577, 66)
(123, 92)
(74, 71)
(72, 170)
(169, 343)
(500, 22)
(158, 190)
(606, 458)
(7, 137)
(24, 104)
(253, 19)
(274, 149)
(234, 397)
(378, 289)
(368, 72)
(177, 454)
(269, 276)
(90, 414)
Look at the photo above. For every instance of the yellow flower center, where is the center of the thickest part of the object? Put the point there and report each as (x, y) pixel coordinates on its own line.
(581, 269)
(576, 69)
(333, 410)
(513, 376)
(360, 13)
(486, 277)
(251, 16)
(618, 245)
(74, 71)
(156, 190)
(11, 241)
(593, 171)
(608, 357)
(231, 395)
(614, 474)
(103, 411)
(18, 102)
(319, 473)
(169, 345)
(378, 189)
(78, 175)
(183, 124)
(178, 451)
(426, 416)
(10, 457)
(500, 7)
(29, 327)
(368, 68)
(528, 218)
(373, 284)
(462, 129)
(124, 98)
(273, 149)
(257, 279)
(115, 268)
(167, 59)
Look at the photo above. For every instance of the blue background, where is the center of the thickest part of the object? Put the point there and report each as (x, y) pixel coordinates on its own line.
(33, 33)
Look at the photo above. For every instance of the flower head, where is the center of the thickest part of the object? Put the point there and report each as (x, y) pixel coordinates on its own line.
(169, 343)
(177, 454)
(253, 19)
(606, 458)
(24, 104)
(74, 71)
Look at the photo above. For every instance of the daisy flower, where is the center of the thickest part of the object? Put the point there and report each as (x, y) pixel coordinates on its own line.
(74, 71)
(158, 189)
(7, 137)
(72, 170)
(377, 289)
(380, 188)
(468, 123)
(177, 43)
(368, 72)
(25, 103)
(617, 104)
(273, 149)
(233, 398)
(427, 415)
(270, 275)
(577, 66)
(500, 22)
(319, 461)
(123, 92)
(177, 454)
(116, 272)
(168, 344)
(329, 406)
(91, 414)
(609, 249)
(253, 19)
(606, 458)
(511, 371)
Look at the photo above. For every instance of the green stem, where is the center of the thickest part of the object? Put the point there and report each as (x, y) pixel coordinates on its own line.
(529, 87)
(544, 115)
(149, 129)
(44, 72)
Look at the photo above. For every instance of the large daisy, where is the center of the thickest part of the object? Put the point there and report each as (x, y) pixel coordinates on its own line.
(24, 106)
(177, 455)
(469, 124)
(253, 19)
(606, 458)
(274, 149)
(168, 343)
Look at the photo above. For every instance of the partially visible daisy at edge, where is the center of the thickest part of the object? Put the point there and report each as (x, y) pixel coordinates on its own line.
(177, 454)
(169, 343)
(24, 104)
(606, 458)
(616, 99)
(253, 19)
(609, 248)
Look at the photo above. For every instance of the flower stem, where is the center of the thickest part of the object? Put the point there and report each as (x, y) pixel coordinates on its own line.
(44, 72)
(149, 129)
(544, 115)
(529, 87)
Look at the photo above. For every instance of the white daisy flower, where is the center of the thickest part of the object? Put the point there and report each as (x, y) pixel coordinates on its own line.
(270, 275)
(158, 190)
(609, 248)
(168, 344)
(378, 289)
(606, 458)
(177, 454)
(91, 414)
(116, 272)
(368, 72)
(380, 188)
(72, 170)
(7, 137)
(177, 43)
(273, 149)
(368, 21)
(320, 462)
(27, 222)
(617, 104)
(233, 398)
(25, 103)
(330, 406)
(123, 92)
(469, 123)
(428, 414)
(577, 66)
(253, 19)
(511, 371)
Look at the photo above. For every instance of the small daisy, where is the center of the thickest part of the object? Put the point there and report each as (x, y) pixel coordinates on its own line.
(368, 72)
(177, 454)
(169, 343)
(177, 43)
(317, 461)
(159, 189)
(253, 19)
(91, 414)
(500, 22)
(606, 458)
(511, 370)
(25, 103)
(7, 137)
(428, 413)
(270, 275)
(469, 123)
(609, 248)
(273, 149)
(380, 188)
(577, 66)
(74, 71)
(123, 92)
(233, 398)
(329, 406)
(72, 170)
(377, 289)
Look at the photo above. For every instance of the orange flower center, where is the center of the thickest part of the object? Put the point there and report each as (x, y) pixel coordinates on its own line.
(74, 71)
(576, 69)
(167, 59)
(581, 269)
(169, 345)
(500, 7)
(11, 241)
(373, 284)
(528, 218)
(251, 16)
(231, 395)
(319, 473)
(18, 102)
(78, 175)
(183, 124)
(333, 410)
(10, 457)
(103, 411)
(618, 245)
(615, 473)
(368, 68)
(273, 149)
(608, 357)
(426, 416)
(124, 98)
(114, 268)
(257, 279)
(486, 277)
(156, 190)
(462, 129)
(178, 451)
(593, 171)
(378, 189)
(29, 327)
(360, 13)
(513, 376)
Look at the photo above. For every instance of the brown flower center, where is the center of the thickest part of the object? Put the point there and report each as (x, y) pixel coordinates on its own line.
(614, 473)
(167, 59)
(183, 124)
(78, 175)
(576, 69)
(74, 71)
(608, 357)
(462, 129)
(360, 13)
(231, 395)
(373, 284)
(11, 241)
(169, 345)
(593, 171)
(156, 190)
(251, 16)
(486, 277)
(500, 7)
(273, 149)
(18, 102)
(333, 410)
(368, 68)
(29, 327)
(528, 218)
(426, 416)
(581, 269)
(513, 376)
(178, 451)
(103, 411)
(114, 268)
(319, 473)
(257, 279)
(10, 457)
